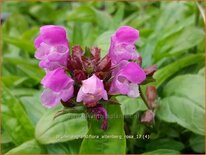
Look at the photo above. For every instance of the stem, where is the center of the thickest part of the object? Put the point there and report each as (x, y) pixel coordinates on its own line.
(143, 97)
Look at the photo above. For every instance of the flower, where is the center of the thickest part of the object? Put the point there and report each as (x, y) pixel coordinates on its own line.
(91, 91)
(52, 47)
(122, 45)
(126, 79)
(84, 78)
(59, 86)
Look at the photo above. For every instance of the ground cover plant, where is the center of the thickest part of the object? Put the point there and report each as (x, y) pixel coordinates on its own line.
(165, 117)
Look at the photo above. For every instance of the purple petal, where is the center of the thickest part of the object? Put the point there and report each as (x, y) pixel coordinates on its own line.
(56, 80)
(127, 34)
(67, 93)
(50, 98)
(133, 90)
(123, 45)
(91, 91)
(133, 72)
(51, 34)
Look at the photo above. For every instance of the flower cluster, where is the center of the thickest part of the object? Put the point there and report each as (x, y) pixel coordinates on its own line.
(83, 76)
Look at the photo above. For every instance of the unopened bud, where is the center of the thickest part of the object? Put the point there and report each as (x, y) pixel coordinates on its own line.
(79, 75)
(151, 93)
(148, 117)
(95, 53)
(77, 51)
(150, 70)
(139, 60)
(105, 64)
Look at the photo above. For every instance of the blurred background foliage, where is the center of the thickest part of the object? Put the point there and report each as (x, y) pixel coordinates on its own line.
(171, 36)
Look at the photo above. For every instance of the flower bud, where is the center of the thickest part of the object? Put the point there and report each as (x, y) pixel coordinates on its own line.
(148, 117)
(150, 70)
(95, 53)
(79, 75)
(77, 51)
(99, 113)
(76, 58)
(105, 64)
(151, 94)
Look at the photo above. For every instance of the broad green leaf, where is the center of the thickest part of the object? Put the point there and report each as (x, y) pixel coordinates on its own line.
(188, 86)
(202, 71)
(70, 147)
(5, 137)
(164, 73)
(129, 106)
(197, 143)
(184, 103)
(5, 147)
(103, 42)
(66, 127)
(14, 119)
(105, 145)
(163, 151)
(164, 144)
(103, 20)
(29, 147)
(33, 107)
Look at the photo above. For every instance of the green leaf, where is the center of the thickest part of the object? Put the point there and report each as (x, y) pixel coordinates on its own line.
(190, 37)
(77, 36)
(164, 144)
(164, 73)
(23, 44)
(33, 107)
(103, 42)
(5, 147)
(202, 71)
(163, 151)
(106, 145)
(184, 103)
(29, 147)
(129, 106)
(118, 17)
(14, 119)
(188, 86)
(70, 147)
(197, 143)
(66, 127)
(5, 137)
(82, 13)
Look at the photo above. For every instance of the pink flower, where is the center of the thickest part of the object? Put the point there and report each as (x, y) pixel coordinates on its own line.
(123, 44)
(126, 79)
(52, 47)
(91, 91)
(59, 86)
